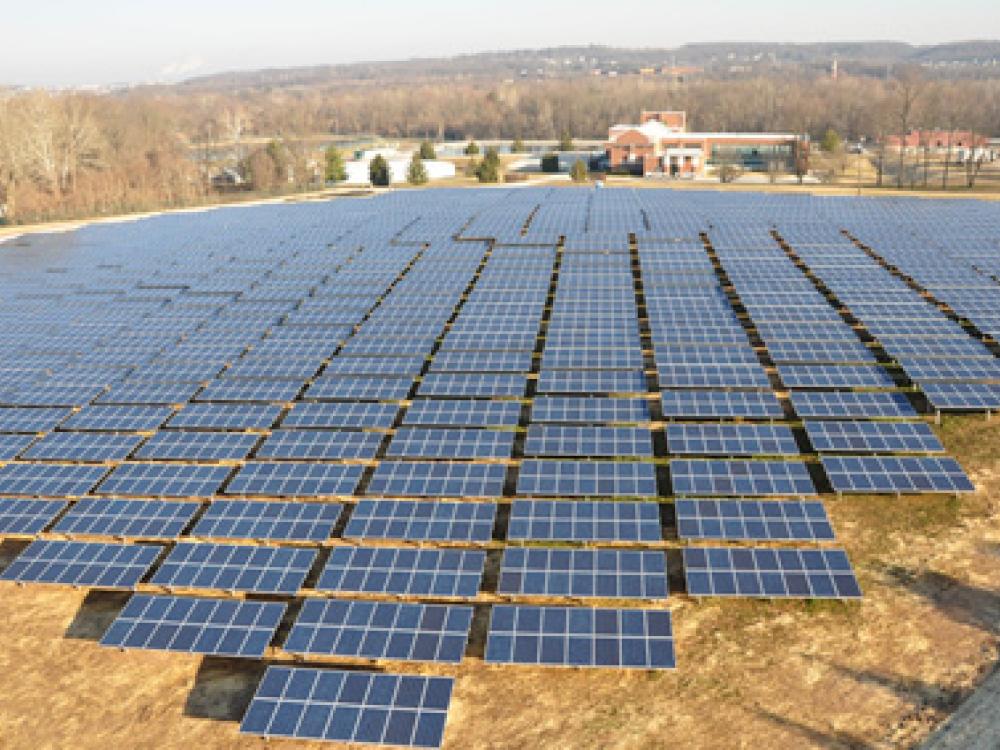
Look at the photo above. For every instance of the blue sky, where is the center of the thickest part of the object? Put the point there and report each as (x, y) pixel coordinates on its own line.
(78, 42)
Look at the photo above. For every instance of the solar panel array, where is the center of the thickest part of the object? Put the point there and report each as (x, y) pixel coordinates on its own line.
(434, 398)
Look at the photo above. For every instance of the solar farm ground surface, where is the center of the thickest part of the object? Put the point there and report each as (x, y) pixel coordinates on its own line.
(875, 671)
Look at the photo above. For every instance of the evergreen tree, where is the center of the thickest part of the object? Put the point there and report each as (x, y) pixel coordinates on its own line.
(578, 173)
(416, 173)
(518, 147)
(427, 150)
(378, 172)
(335, 170)
(565, 141)
(489, 167)
(472, 148)
(831, 141)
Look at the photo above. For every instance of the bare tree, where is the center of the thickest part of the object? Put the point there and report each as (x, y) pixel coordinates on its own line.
(907, 87)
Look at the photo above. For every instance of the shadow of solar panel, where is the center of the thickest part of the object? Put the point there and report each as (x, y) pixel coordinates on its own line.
(612, 574)
(295, 479)
(749, 478)
(911, 474)
(769, 573)
(720, 404)
(124, 418)
(273, 521)
(327, 445)
(426, 478)
(580, 637)
(583, 521)
(373, 416)
(208, 416)
(381, 630)
(421, 442)
(403, 571)
(58, 480)
(85, 564)
(137, 519)
(777, 520)
(873, 437)
(414, 520)
(215, 627)
(31, 420)
(19, 517)
(345, 388)
(385, 709)
(731, 440)
(234, 567)
(586, 478)
(164, 480)
(843, 405)
(177, 445)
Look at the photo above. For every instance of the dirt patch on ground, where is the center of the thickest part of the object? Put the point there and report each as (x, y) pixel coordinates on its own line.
(879, 673)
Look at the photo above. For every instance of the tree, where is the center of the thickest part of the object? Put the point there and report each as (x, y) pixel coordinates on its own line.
(378, 171)
(471, 148)
(416, 173)
(906, 88)
(831, 141)
(517, 146)
(335, 171)
(427, 150)
(489, 168)
(565, 141)
(578, 172)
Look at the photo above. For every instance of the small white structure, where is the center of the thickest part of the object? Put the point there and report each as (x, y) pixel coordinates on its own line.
(358, 169)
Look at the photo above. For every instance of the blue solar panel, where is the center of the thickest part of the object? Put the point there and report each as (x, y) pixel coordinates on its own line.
(381, 630)
(124, 418)
(323, 445)
(731, 440)
(872, 437)
(345, 388)
(225, 417)
(844, 405)
(403, 571)
(20, 517)
(12, 445)
(214, 627)
(962, 396)
(582, 521)
(421, 442)
(83, 446)
(594, 409)
(462, 413)
(426, 478)
(721, 404)
(250, 390)
(164, 480)
(23, 419)
(233, 567)
(558, 440)
(87, 564)
(270, 478)
(875, 474)
(586, 478)
(361, 707)
(137, 519)
(770, 573)
(542, 571)
(712, 376)
(53, 480)
(785, 520)
(375, 416)
(591, 381)
(272, 521)
(414, 520)
(580, 637)
(716, 477)
(834, 376)
(179, 445)
(472, 384)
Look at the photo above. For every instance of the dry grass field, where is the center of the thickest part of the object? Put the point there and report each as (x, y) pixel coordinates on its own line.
(879, 673)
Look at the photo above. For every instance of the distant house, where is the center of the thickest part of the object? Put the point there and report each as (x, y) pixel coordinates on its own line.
(962, 144)
(661, 144)
(399, 164)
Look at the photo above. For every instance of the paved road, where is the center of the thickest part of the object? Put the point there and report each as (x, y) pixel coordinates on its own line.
(976, 723)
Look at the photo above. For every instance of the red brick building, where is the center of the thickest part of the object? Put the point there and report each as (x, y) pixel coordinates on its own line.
(937, 140)
(661, 144)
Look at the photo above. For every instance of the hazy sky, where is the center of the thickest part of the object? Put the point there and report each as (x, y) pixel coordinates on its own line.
(75, 42)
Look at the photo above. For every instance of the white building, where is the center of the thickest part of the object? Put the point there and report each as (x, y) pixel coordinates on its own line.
(399, 164)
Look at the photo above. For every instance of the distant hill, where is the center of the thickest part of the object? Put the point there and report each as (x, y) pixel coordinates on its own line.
(969, 58)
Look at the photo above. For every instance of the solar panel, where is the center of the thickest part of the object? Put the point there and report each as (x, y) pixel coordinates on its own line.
(420, 442)
(136, 519)
(210, 416)
(834, 376)
(12, 445)
(768, 520)
(164, 480)
(580, 637)
(20, 517)
(731, 439)
(591, 381)
(582, 521)
(426, 478)
(962, 396)
(403, 571)
(180, 445)
(844, 405)
(558, 440)
(323, 445)
(585, 478)
(149, 393)
(249, 390)
(343, 388)
(720, 404)
(712, 376)
(386, 709)
(214, 627)
(414, 520)
(589, 409)
(52, 480)
(859, 436)
(542, 571)
(271, 478)
(83, 446)
(86, 564)
(486, 385)
(26, 419)
(770, 573)
(233, 567)
(272, 521)
(123, 418)
(895, 474)
(381, 630)
(373, 416)
(717, 477)
(462, 413)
